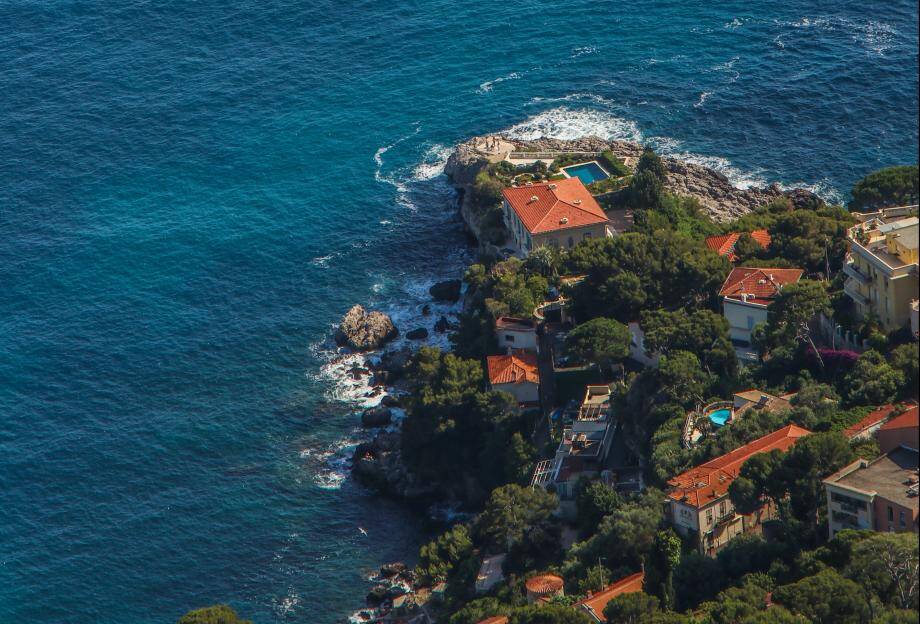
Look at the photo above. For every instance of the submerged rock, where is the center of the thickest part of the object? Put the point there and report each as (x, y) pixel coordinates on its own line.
(363, 330)
(442, 325)
(448, 290)
(417, 334)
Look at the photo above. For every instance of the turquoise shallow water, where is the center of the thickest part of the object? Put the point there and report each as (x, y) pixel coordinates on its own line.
(192, 193)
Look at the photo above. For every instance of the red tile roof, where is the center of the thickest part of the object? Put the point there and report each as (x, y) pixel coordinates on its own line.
(709, 482)
(515, 323)
(725, 245)
(594, 604)
(908, 420)
(871, 419)
(518, 367)
(556, 205)
(544, 584)
(498, 619)
(760, 285)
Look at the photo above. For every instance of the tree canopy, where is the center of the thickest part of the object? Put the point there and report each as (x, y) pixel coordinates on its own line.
(892, 186)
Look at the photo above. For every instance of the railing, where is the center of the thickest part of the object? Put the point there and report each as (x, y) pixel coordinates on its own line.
(543, 472)
(850, 269)
(854, 293)
(550, 154)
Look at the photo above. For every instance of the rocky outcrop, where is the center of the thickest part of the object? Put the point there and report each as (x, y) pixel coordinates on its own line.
(420, 333)
(448, 290)
(363, 331)
(379, 416)
(379, 464)
(718, 196)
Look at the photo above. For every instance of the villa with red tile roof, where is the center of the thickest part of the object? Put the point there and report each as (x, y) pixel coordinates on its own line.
(870, 423)
(902, 430)
(594, 604)
(724, 245)
(746, 293)
(517, 374)
(699, 501)
(559, 213)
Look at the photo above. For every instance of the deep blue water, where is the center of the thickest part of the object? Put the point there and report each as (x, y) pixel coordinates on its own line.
(192, 193)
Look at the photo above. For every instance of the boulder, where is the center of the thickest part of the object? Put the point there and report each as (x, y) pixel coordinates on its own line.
(419, 333)
(448, 290)
(442, 325)
(379, 416)
(389, 400)
(426, 310)
(363, 330)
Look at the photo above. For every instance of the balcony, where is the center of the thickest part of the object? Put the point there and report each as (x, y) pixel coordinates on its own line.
(852, 271)
(852, 291)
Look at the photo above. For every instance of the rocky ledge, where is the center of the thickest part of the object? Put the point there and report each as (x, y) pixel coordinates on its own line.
(364, 331)
(378, 463)
(718, 196)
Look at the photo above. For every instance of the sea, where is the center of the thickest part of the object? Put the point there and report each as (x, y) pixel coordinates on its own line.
(193, 193)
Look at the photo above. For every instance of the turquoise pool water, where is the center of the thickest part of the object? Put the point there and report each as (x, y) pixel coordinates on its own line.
(720, 417)
(587, 172)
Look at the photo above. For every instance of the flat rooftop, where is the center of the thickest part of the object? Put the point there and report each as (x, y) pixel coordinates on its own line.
(892, 476)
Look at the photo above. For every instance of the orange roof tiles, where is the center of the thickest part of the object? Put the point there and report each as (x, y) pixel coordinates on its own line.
(518, 367)
(595, 603)
(556, 205)
(544, 584)
(874, 417)
(725, 245)
(908, 420)
(709, 482)
(498, 619)
(758, 285)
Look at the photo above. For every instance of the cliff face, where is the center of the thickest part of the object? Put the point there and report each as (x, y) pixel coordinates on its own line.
(718, 196)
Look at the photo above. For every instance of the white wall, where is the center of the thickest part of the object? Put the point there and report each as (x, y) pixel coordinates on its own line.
(520, 339)
(524, 392)
(742, 318)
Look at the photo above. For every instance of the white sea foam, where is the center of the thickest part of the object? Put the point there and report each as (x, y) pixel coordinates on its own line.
(378, 161)
(875, 36)
(433, 162)
(322, 261)
(734, 24)
(583, 51)
(703, 97)
(486, 86)
(568, 123)
(729, 68)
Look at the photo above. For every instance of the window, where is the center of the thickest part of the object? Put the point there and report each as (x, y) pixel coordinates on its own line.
(587, 235)
(571, 242)
(509, 338)
(901, 519)
(722, 508)
(848, 501)
(750, 322)
(709, 516)
(890, 514)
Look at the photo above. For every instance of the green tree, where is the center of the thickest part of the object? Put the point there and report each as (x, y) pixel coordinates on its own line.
(825, 598)
(511, 514)
(682, 378)
(594, 501)
(757, 482)
(650, 162)
(600, 341)
(438, 557)
(645, 191)
(791, 311)
(873, 380)
(746, 248)
(906, 360)
(701, 332)
(892, 186)
(219, 614)
(478, 610)
(804, 467)
(887, 564)
(632, 608)
(548, 614)
(659, 571)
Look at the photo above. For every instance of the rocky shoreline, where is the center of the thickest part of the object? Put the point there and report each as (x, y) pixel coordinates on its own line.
(719, 197)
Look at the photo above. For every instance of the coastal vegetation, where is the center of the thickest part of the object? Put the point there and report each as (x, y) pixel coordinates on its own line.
(893, 186)
(219, 614)
(480, 447)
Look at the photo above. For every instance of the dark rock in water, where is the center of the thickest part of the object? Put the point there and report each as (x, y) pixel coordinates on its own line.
(376, 595)
(379, 464)
(389, 570)
(357, 372)
(417, 334)
(394, 362)
(390, 401)
(448, 290)
(426, 310)
(395, 591)
(379, 416)
(363, 330)
(442, 325)
(374, 392)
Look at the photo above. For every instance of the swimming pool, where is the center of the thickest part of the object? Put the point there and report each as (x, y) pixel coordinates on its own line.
(587, 172)
(720, 417)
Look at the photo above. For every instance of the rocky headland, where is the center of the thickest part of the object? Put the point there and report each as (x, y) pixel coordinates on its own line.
(718, 196)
